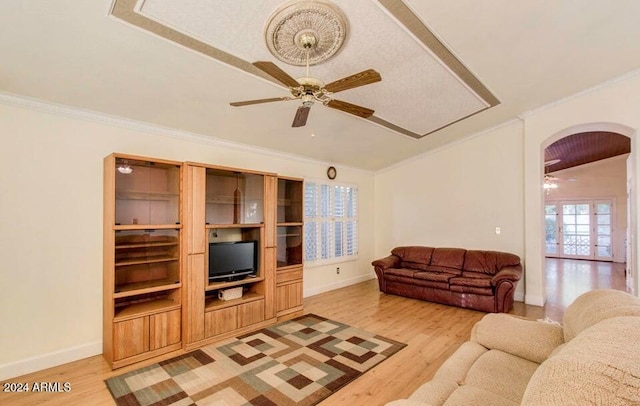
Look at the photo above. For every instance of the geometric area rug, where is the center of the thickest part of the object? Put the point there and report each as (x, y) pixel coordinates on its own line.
(297, 362)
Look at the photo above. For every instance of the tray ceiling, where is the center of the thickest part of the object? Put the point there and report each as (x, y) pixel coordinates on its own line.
(428, 91)
(93, 60)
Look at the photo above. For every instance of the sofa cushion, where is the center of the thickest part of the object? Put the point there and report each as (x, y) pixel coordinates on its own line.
(595, 306)
(488, 262)
(435, 392)
(468, 395)
(449, 257)
(403, 272)
(456, 366)
(477, 281)
(413, 257)
(598, 367)
(433, 276)
(445, 269)
(501, 373)
(471, 289)
(528, 339)
(407, 277)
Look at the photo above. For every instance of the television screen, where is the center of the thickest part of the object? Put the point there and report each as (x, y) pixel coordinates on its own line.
(232, 260)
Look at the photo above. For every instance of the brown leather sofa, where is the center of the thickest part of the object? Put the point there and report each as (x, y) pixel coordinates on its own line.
(473, 279)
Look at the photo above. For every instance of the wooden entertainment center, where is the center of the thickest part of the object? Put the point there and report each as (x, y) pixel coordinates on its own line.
(159, 219)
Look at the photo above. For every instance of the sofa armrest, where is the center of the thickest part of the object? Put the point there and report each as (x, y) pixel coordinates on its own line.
(510, 273)
(528, 339)
(379, 267)
(388, 262)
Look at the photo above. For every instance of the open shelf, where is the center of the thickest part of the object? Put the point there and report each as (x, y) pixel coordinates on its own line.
(216, 304)
(224, 285)
(251, 225)
(134, 227)
(140, 195)
(139, 288)
(146, 260)
(290, 224)
(144, 309)
(283, 266)
(219, 199)
(147, 245)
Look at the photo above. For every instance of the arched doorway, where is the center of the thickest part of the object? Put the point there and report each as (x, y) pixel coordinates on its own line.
(585, 214)
(535, 144)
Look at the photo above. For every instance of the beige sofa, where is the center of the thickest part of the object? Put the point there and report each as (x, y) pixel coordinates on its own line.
(593, 359)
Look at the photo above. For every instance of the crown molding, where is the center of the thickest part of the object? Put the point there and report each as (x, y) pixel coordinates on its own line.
(446, 146)
(29, 103)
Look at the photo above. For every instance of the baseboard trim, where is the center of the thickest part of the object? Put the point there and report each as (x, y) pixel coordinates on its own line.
(534, 300)
(337, 285)
(52, 359)
(518, 297)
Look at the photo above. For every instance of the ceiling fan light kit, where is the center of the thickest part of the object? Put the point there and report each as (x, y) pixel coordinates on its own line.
(306, 33)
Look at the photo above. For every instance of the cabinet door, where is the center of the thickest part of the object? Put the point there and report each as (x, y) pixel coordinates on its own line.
(288, 296)
(164, 329)
(250, 313)
(130, 337)
(220, 321)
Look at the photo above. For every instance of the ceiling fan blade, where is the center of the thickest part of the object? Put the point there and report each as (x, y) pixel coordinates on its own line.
(300, 120)
(272, 70)
(359, 79)
(350, 108)
(258, 101)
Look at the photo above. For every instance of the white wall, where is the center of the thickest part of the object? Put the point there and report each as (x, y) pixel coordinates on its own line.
(456, 197)
(610, 107)
(604, 179)
(51, 207)
(51, 225)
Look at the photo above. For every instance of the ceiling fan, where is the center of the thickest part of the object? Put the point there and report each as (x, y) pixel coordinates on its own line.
(551, 178)
(311, 90)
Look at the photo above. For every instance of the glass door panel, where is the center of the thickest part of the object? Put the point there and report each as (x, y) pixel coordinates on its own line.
(576, 237)
(603, 230)
(551, 229)
(146, 192)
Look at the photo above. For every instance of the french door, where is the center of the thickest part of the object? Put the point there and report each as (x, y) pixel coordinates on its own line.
(579, 229)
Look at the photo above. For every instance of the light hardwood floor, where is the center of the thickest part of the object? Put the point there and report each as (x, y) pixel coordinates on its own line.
(433, 332)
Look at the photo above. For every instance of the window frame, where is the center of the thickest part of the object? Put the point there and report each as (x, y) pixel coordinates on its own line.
(332, 259)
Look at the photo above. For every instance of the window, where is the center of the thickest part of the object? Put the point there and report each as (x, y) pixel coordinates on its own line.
(330, 221)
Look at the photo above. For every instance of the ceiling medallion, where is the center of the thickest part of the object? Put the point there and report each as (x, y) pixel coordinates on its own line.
(291, 29)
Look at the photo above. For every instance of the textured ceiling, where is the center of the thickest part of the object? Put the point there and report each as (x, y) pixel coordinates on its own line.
(528, 54)
(420, 95)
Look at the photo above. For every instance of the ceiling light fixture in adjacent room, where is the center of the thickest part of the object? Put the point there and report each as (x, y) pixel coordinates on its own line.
(549, 184)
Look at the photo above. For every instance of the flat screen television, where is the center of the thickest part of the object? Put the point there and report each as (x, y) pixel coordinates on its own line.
(231, 261)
